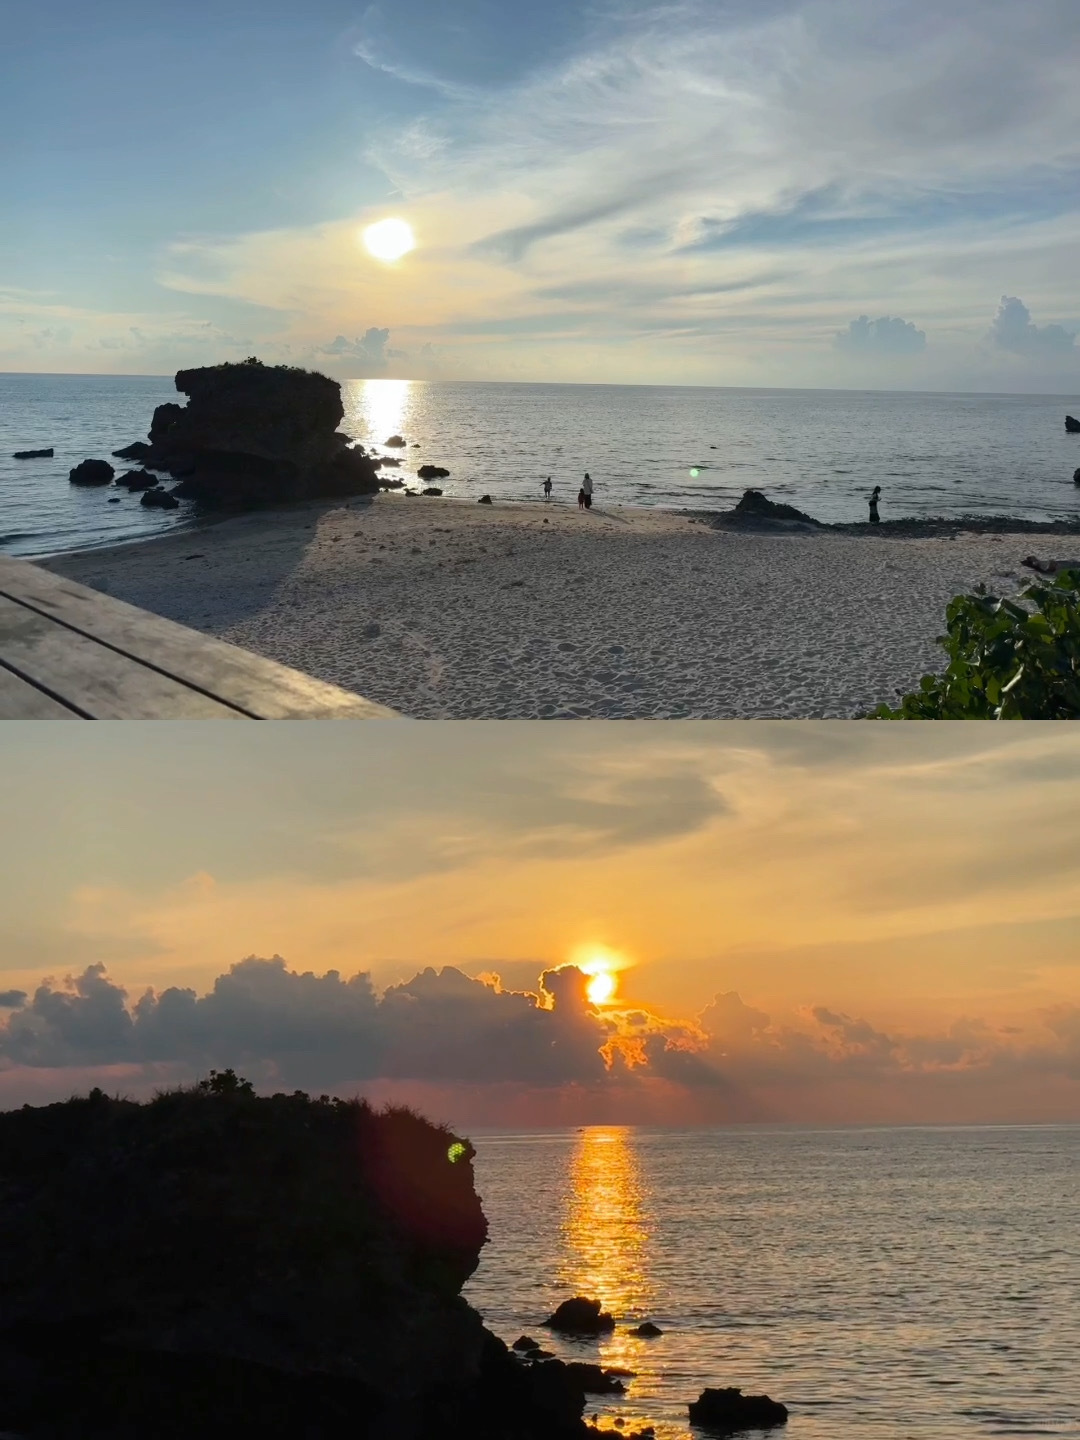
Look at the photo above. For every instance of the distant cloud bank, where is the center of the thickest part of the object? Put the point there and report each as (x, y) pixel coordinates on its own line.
(732, 1062)
(887, 336)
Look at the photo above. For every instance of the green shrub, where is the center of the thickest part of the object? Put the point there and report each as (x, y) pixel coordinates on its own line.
(1007, 660)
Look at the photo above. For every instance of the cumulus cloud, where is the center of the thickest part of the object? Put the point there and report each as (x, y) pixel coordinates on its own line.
(887, 336)
(1014, 330)
(370, 350)
(283, 1026)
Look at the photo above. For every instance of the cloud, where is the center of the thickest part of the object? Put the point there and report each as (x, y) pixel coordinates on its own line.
(1013, 330)
(881, 337)
(12, 999)
(370, 350)
(283, 1026)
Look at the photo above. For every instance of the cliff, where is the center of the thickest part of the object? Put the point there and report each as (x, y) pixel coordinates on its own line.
(278, 1266)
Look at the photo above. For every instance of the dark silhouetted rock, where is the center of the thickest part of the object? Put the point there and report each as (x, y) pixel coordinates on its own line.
(647, 1330)
(484, 500)
(138, 450)
(159, 500)
(1072, 425)
(525, 1342)
(580, 1316)
(137, 480)
(33, 454)
(594, 1380)
(432, 472)
(727, 1411)
(1076, 477)
(387, 462)
(431, 490)
(756, 512)
(92, 472)
(396, 441)
(257, 434)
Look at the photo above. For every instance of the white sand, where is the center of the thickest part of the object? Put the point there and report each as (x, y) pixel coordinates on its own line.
(449, 609)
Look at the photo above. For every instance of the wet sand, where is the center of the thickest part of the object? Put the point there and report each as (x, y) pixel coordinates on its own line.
(449, 609)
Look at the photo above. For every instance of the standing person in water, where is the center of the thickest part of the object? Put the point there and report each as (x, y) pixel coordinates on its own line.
(875, 518)
(586, 486)
(581, 499)
(547, 488)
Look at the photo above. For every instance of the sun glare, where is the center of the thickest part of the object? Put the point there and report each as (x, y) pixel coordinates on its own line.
(601, 987)
(389, 239)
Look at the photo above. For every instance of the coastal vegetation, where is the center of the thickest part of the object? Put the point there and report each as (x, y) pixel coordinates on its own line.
(1007, 659)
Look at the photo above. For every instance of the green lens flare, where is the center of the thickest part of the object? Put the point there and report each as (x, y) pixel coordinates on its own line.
(695, 473)
(456, 1152)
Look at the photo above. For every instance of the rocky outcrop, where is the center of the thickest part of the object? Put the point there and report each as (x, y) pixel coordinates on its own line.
(1072, 425)
(728, 1411)
(159, 499)
(138, 450)
(431, 490)
(647, 1330)
(137, 480)
(33, 454)
(432, 472)
(256, 434)
(91, 472)
(216, 1262)
(756, 511)
(580, 1316)
(397, 441)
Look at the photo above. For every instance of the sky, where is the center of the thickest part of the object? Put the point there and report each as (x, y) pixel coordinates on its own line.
(821, 923)
(839, 193)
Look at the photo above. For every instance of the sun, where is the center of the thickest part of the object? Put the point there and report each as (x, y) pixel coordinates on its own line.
(601, 987)
(389, 239)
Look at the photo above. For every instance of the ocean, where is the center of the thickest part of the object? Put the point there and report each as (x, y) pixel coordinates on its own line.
(884, 1284)
(674, 447)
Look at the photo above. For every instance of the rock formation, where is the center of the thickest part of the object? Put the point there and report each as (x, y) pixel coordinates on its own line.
(33, 454)
(255, 434)
(432, 472)
(580, 1316)
(727, 1411)
(217, 1262)
(91, 472)
(1072, 425)
(138, 450)
(756, 512)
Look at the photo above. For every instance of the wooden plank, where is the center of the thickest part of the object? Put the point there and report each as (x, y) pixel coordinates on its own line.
(103, 684)
(260, 688)
(19, 700)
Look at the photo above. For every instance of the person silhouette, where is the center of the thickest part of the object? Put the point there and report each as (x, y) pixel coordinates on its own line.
(875, 518)
(547, 488)
(581, 499)
(586, 487)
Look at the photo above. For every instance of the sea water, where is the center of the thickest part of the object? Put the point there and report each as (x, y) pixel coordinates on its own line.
(674, 447)
(884, 1284)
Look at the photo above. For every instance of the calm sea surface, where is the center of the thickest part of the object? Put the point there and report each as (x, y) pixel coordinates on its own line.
(920, 1283)
(643, 445)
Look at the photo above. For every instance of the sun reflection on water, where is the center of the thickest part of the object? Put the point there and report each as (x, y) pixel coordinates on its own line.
(377, 409)
(606, 1228)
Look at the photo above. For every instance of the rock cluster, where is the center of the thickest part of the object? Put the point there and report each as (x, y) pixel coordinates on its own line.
(729, 1411)
(255, 434)
(580, 1316)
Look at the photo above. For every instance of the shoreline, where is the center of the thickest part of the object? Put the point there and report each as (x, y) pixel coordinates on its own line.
(443, 608)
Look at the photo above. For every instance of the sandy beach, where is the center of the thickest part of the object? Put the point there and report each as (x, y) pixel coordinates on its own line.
(449, 609)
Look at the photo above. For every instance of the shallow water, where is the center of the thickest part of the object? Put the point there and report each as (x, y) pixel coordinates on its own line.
(922, 1284)
(643, 445)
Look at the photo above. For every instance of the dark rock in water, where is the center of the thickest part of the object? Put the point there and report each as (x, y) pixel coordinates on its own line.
(257, 434)
(137, 480)
(92, 472)
(138, 450)
(594, 1380)
(1076, 477)
(525, 1342)
(432, 472)
(647, 1330)
(113, 500)
(580, 1316)
(213, 1262)
(159, 500)
(484, 500)
(396, 441)
(431, 490)
(391, 484)
(33, 454)
(728, 1411)
(1072, 425)
(386, 460)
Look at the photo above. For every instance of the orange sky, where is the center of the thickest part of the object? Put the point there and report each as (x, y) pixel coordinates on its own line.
(894, 905)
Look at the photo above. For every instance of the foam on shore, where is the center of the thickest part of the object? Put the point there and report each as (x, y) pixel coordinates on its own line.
(448, 609)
